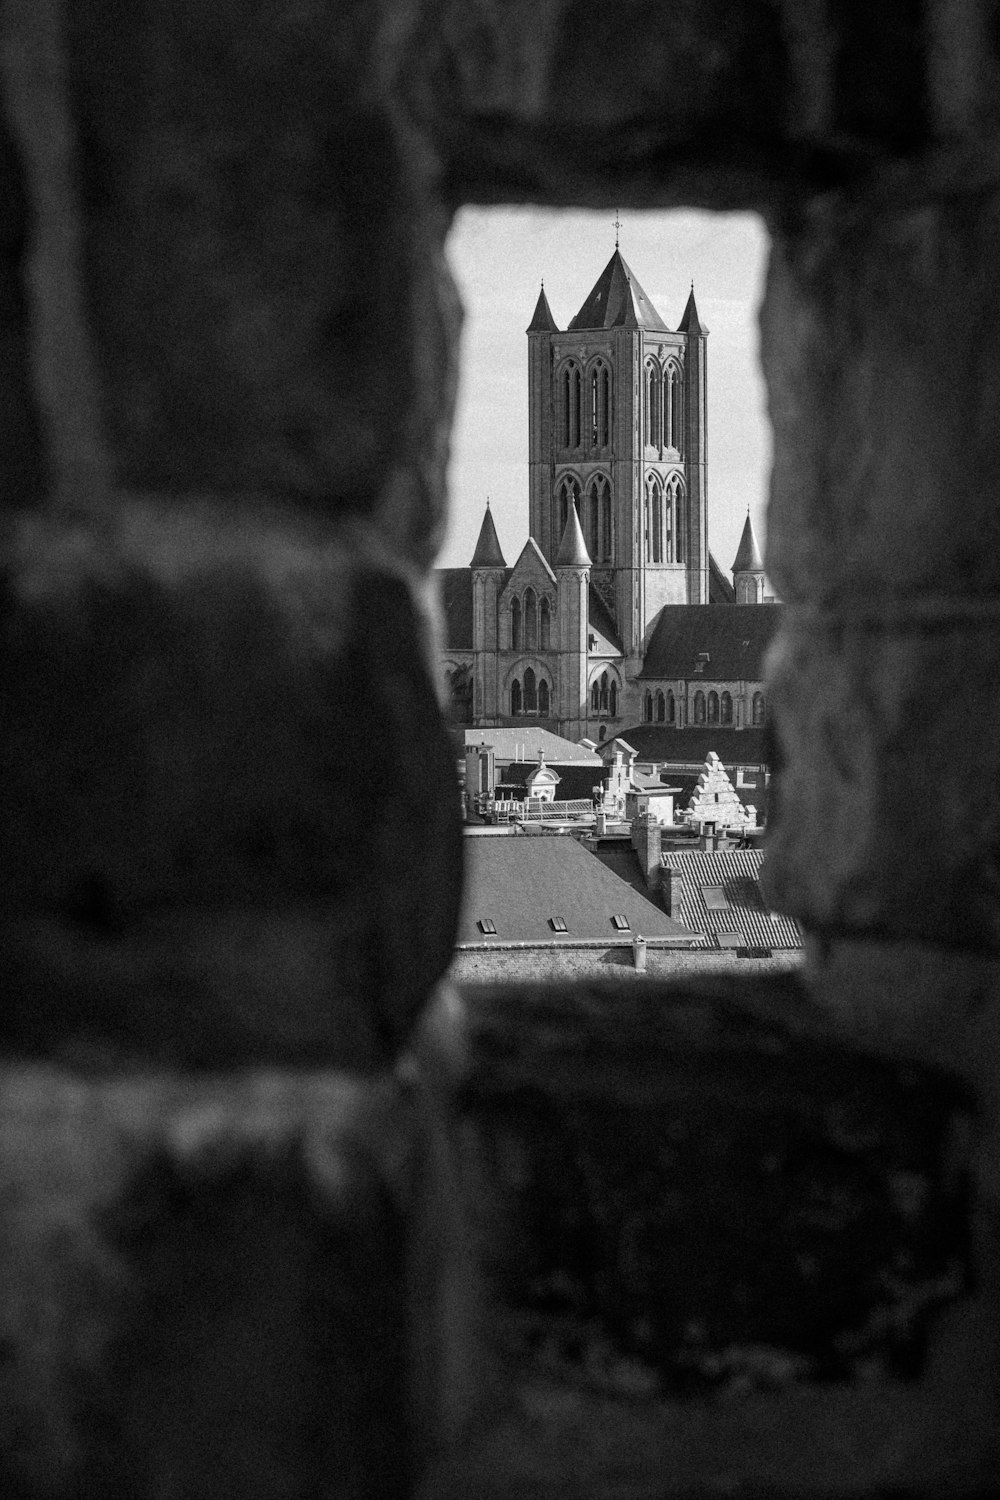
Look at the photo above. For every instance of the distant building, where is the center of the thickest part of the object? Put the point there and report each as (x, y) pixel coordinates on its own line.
(609, 614)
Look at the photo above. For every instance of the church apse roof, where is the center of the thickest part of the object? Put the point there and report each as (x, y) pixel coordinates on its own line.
(618, 301)
(730, 640)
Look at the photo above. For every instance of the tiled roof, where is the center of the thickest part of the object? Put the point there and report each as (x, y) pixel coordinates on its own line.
(455, 585)
(618, 301)
(664, 742)
(736, 638)
(603, 628)
(737, 872)
(520, 882)
(523, 741)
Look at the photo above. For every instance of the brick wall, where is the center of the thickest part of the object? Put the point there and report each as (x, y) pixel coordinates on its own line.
(249, 1170)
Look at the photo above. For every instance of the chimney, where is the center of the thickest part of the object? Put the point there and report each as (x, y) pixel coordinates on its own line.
(672, 886)
(647, 840)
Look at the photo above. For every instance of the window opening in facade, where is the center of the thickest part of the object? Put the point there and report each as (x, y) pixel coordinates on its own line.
(757, 709)
(699, 707)
(530, 621)
(595, 696)
(543, 698)
(713, 708)
(515, 624)
(604, 692)
(647, 707)
(530, 694)
(726, 708)
(515, 698)
(613, 700)
(661, 708)
(671, 708)
(544, 623)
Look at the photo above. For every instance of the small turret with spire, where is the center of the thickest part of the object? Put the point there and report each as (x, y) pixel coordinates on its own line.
(748, 567)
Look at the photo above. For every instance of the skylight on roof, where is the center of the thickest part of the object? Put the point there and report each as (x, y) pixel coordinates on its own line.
(620, 921)
(557, 924)
(487, 925)
(714, 898)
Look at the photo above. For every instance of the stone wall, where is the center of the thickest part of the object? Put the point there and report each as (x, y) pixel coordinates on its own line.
(244, 1158)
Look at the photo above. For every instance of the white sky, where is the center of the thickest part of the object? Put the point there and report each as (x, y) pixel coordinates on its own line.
(500, 256)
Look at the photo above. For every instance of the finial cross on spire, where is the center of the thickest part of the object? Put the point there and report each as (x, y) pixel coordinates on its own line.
(617, 227)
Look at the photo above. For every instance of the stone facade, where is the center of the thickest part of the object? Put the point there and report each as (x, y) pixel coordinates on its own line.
(253, 1157)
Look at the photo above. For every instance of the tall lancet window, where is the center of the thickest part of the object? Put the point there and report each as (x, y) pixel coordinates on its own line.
(530, 621)
(676, 500)
(530, 693)
(606, 544)
(515, 624)
(544, 624)
(543, 698)
(653, 419)
(605, 406)
(594, 520)
(677, 411)
(657, 522)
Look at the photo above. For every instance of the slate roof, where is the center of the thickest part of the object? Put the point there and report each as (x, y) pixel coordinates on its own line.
(519, 741)
(488, 553)
(573, 549)
(748, 558)
(455, 593)
(618, 301)
(736, 638)
(720, 590)
(520, 882)
(737, 872)
(670, 745)
(607, 640)
(542, 320)
(690, 321)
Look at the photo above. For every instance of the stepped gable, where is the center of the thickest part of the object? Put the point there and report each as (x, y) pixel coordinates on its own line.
(735, 640)
(716, 800)
(617, 301)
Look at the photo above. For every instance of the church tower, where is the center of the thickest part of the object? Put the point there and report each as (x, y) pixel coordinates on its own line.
(617, 433)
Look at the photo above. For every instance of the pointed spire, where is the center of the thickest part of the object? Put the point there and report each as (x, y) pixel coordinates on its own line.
(748, 558)
(542, 320)
(691, 323)
(573, 549)
(488, 553)
(618, 301)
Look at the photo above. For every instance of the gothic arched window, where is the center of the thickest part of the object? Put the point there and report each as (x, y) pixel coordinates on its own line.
(699, 707)
(514, 624)
(726, 709)
(613, 700)
(594, 519)
(530, 694)
(595, 696)
(653, 405)
(671, 709)
(544, 623)
(657, 523)
(604, 692)
(757, 708)
(515, 698)
(677, 411)
(647, 707)
(661, 708)
(530, 621)
(713, 708)
(605, 406)
(676, 505)
(543, 698)
(606, 550)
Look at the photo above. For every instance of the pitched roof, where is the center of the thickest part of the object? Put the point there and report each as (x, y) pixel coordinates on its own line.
(666, 744)
(736, 872)
(748, 558)
(520, 882)
(530, 558)
(573, 549)
(455, 593)
(542, 320)
(734, 636)
(607, 641)
(690, 322)
(618, 301)
(519, 741)
(488, 553)
(720, 590)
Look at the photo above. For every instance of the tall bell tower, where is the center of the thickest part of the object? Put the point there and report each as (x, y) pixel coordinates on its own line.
(617, 430)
